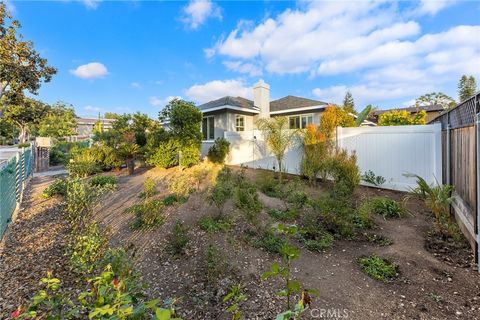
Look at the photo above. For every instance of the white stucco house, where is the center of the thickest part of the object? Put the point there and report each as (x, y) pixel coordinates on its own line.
(237, 114)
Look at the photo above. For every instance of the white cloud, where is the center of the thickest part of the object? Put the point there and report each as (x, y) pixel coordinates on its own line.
(91, 4)
(90, 108)
(248, 68)
(135, 85)
(432, 7)
(216, 89)
(198, 11)
(158, 102)
(90, 70)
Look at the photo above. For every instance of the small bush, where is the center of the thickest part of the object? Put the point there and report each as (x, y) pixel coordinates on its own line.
(373, 179)
(178, 239)
(80, 199)
(182, 185)
(214, 224)
(104, 181)
(58, 187)
(216, 264)
(218, 152)
(271, 242)
(86, 248)
(288, 215)
(166, 155)
(148, 214)
(57, 156)
(149, 188)
(23, 145)
(246, 199)
(170, 200)
(344, 171)
(337, 216)
(83, 164)
(388, 208)
(378, 268)
(315, 239)
(267, 184)
(189, 155)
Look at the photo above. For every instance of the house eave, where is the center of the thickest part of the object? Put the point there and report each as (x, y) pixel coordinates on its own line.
(230, 108)
(293, 110)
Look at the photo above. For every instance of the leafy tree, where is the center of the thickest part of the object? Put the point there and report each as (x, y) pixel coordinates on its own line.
(141, 124)
(435, 98)
(21, 67)
(278, 137)
(333, 117)
(24, 114)
(111, 115)
(58, 122)
(7, 131)
(185, 121)
(401, 117)
(467, 87)
(348, 103)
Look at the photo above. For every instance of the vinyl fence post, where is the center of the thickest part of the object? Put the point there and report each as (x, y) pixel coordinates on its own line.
(448, 155)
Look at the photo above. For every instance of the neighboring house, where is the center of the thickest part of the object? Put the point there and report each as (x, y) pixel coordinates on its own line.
(85, 125)
(240, 114)
(433, 111)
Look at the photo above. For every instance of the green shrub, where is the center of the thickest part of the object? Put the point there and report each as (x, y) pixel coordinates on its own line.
(388, 208)
(57, 156)
(57, 187)
(246, 199)
(105, 156)
(189, 155)
(267, 184)
(295, 195)
(170, 200)
(370, 177)
(104, 181)
(378, 268)
(337, 216)
(86, 248)
(149, 188)
(80, 199)
(218, 152)
(344, 171)
(271, 242)
(216, 263)
(83, 164)
(315, 239)
(166, 155)
(23, 145)
(182, 185)
(178, 239)
(213, 224)
(148, 214)
(220, 193)
(288, 215)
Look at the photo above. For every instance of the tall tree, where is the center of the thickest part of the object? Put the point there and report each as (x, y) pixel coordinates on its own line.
(348, 103)
(467, 87)
(21, 67)
(58, 122)
(435, 98)
(24, 114)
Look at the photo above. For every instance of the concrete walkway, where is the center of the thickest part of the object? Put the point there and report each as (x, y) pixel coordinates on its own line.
(50, 173)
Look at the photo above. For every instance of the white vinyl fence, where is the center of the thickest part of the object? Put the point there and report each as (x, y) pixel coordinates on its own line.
(387, 151)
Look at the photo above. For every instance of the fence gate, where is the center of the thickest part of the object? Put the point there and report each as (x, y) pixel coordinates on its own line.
(461, 165)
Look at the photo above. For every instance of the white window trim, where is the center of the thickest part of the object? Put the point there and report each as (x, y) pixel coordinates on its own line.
(300, 116)
(208, 140)
(236, 127)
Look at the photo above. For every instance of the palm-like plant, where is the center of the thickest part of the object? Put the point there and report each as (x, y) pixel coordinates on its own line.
(278, 137)
(129, 151)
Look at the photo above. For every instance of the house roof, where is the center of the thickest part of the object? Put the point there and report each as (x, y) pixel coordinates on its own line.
(94, 120)
(413, 109)
(230, 101)
(293, 102)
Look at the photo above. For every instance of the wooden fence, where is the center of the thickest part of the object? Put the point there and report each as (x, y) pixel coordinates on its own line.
(460, 160)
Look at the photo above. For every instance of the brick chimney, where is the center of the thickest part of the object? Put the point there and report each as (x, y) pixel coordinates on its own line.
(261, 98)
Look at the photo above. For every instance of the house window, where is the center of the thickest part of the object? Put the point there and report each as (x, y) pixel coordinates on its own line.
(208, 128)
(239, 123)
(300, 122)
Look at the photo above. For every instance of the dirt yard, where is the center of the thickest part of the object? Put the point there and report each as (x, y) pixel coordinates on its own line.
(429, 285)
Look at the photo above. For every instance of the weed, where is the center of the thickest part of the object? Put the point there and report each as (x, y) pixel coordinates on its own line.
(380, 240)
(57, 187)
(378, 268)
(178, 239)
(216, 264)
(220, 193)
(234, 297)
(213, 224)
(315, 239)
(370, 177)
(182, 185)
(288, 215)
(267, 184)
(271, 242)
(170, 200)
(246, 199)
(435, 297)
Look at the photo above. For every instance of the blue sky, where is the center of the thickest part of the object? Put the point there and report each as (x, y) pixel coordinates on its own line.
(127, 56)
